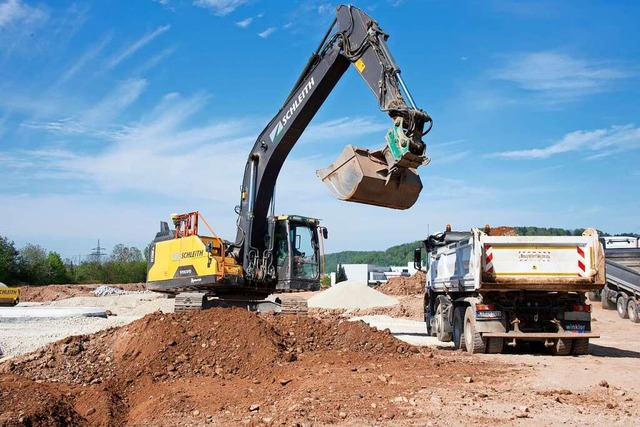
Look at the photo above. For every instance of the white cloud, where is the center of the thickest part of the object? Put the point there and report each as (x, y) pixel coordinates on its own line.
(244, 23)
(266, 33)
(155, 60)
(125, 94)
(600, 142)
(346, 127)
(220, 7)
(139, 44)
(14, 12)
(18, 22)
(558, 77)
(89, 55)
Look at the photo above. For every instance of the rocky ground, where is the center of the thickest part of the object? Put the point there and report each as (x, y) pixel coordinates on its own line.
(232, 367)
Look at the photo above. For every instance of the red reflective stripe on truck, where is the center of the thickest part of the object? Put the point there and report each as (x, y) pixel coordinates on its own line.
(581, 264)
(488, 257)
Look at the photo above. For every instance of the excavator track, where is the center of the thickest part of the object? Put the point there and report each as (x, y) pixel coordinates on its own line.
(294, 305)
(187, 301)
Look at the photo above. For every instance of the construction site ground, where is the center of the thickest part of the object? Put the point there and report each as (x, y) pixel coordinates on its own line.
(145, 365)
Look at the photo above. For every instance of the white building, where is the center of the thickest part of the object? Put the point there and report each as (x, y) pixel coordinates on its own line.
(373, 274)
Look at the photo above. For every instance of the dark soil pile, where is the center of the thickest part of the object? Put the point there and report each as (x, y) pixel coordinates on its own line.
(405, 285)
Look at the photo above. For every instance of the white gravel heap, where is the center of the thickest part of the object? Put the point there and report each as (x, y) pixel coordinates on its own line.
(104, 290)
(351, 294)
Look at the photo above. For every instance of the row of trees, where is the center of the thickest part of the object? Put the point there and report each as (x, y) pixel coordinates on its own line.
(34, 265)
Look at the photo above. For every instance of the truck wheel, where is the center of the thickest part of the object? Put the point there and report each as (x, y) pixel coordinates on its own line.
(580, 346)
(562, 347)
(494, 345)
(593, 296)
(440, 321)
(473, 340)
(427, 319)
(458, 329)
(632, 310)
(621, 306)
(604, 296)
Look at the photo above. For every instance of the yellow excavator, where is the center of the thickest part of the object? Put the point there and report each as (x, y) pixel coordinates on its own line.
(283, 253)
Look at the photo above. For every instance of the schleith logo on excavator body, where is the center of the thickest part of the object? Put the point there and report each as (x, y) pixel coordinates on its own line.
(275, 133)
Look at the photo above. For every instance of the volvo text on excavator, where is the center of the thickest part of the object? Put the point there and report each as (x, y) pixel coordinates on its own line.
(283, 253)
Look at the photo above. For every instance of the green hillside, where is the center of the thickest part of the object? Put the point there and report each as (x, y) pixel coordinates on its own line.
(401, 254)
(395, 255)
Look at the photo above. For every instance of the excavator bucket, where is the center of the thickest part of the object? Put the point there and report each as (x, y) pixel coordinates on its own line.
(362, 176)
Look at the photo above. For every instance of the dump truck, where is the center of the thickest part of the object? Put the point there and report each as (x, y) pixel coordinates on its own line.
(622, 291)
(487, 292)
(280, 253)
(9, 296)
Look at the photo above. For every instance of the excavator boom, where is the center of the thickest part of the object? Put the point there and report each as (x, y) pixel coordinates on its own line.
(385, 177)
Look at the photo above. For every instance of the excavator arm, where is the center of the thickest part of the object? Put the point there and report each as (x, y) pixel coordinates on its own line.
(386, 177)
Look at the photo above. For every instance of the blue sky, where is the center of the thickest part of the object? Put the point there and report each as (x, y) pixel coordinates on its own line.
(115, 114)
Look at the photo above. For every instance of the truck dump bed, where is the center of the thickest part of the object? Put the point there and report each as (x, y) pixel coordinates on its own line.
(623, 268)
(477, 261)
(560, 263)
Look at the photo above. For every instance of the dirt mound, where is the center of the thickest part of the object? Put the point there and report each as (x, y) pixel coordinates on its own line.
(402, 285)
(60, 292)
(112, 375)
(27, 403)
(54, 292)
(215, 343)
(503, 231)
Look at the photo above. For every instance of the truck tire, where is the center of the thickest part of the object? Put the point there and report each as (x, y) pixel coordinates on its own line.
(580, 346)
(458, 328)
(473, 340)
(621, 306)
(440, 321)
(562, 347)
(427, 318)
(632, 310)
(604, 296)
(593, 296)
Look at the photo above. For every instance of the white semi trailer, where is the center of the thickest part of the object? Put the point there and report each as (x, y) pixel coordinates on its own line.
(484, 292)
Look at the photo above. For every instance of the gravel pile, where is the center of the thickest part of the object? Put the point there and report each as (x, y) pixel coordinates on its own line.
(351, 294)
(103, 290)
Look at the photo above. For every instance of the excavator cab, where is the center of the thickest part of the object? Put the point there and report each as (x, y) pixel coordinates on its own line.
(296, 252)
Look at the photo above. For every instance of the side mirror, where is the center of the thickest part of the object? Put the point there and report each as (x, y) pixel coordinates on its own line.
(209, 247)
(417, 258)
(325, 233)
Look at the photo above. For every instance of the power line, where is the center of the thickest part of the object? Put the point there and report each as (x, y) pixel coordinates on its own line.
(97, 253)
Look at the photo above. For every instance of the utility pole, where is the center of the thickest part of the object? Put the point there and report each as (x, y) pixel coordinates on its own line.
(97, 253)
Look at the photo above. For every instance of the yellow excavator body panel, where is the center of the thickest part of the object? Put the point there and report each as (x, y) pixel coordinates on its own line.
(189, 261)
